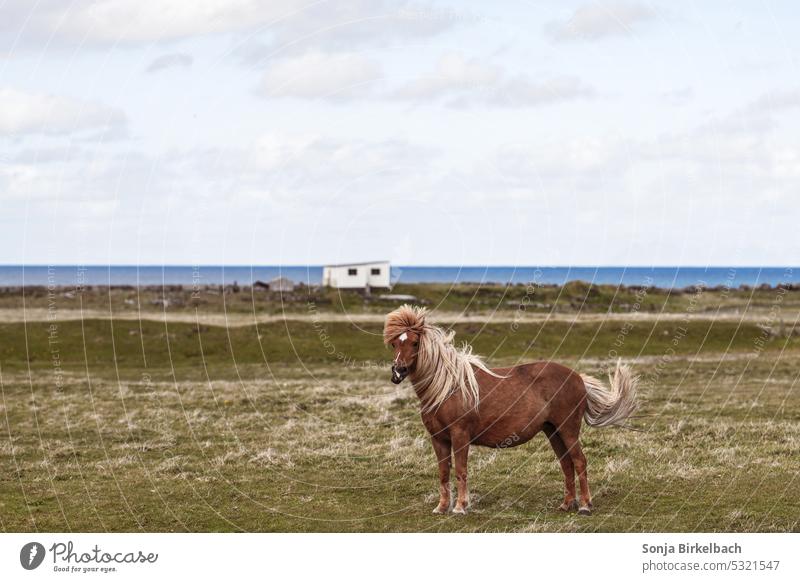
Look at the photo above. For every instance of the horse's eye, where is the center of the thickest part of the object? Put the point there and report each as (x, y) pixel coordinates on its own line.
(416, 344)
(394, 345)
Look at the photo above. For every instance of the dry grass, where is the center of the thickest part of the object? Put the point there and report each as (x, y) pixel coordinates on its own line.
(332, 448)
(176, 426)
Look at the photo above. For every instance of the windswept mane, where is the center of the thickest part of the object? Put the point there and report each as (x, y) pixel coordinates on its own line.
(441, 368)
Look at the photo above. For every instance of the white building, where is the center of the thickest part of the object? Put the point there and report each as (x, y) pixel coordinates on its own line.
(357, 275)
(281, 284)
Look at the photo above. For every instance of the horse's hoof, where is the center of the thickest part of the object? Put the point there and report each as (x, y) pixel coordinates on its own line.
(585, 510)
(571, 506)
(440, 510)
(460, 510)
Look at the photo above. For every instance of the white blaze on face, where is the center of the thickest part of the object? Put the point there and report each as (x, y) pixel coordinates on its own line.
(403, 337)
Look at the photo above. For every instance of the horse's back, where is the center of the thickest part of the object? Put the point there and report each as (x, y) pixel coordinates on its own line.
(545, 378)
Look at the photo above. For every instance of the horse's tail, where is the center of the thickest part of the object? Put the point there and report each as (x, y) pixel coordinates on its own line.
(611, 405)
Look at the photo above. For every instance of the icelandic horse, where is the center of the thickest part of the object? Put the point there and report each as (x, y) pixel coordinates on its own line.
(465, 403)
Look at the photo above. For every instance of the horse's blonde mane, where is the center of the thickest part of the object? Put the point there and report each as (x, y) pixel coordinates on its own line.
(442, 368)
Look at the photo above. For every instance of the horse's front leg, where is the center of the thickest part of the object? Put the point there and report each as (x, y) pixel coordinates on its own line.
(461, 453)
(441, 447)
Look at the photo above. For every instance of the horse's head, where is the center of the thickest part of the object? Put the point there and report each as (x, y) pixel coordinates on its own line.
(405, 348)
(403, 333)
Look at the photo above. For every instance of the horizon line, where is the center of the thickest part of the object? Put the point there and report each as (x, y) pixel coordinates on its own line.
(426, 266)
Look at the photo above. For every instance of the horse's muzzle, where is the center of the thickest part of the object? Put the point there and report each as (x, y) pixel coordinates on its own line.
(399, 373)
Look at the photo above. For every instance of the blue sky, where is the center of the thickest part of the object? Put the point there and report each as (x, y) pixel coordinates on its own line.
(552, 133)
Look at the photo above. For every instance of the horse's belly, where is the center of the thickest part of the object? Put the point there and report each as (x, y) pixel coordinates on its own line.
(502, 437)
(501, 425)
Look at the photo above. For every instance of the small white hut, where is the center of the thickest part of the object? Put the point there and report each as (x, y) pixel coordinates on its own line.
(357, 275)
(281, 284)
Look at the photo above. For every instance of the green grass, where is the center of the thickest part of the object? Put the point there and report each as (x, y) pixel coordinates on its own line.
(147, 426)
(105, 344)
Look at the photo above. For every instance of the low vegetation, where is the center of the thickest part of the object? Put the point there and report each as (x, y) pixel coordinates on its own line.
(575, 297)
(294, 426)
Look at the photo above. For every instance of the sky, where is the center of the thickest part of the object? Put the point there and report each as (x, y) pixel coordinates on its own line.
(293, 132)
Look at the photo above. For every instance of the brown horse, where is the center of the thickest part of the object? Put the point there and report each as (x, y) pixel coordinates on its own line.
(464, 403)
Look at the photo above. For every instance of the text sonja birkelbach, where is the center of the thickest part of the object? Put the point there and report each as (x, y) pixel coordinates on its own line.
(692, 548)
(69, 558)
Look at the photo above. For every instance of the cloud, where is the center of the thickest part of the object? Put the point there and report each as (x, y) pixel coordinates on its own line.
(678, 97)
(453, 74)
(456, 80)
(320, 76)
(694, 197)
(464, 82)
(340, 26)
(774, 101)
(143, 21)
(169, 61)
(308, 155)
(523, 92)
(600, 20)
(758, 116)
(23, 112)
(96, 204)
(88, 23)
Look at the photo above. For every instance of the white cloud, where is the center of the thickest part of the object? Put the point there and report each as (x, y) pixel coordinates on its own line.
(453, 73)
(111, 21)
(314, 166)
(456, 80)
(463, 82)
(104, 22)
(23, 112)
(170, 61)
(599, 20)
(523, 92)
(96, 205)
(340, 26)
(755, 118)
(320, 76)
(774, 101)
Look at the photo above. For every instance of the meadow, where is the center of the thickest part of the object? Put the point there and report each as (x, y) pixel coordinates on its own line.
(145, 423)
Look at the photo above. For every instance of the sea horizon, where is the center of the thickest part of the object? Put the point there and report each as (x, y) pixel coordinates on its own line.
(65, 275)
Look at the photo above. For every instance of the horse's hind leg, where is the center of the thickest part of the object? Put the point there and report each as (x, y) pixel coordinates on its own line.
(570, 439)
(562, 454)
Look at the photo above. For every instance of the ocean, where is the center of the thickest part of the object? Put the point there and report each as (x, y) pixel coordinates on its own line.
(666, 277)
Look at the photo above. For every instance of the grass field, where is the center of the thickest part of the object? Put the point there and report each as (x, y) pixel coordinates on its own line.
(532, 298)
(129, 425)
